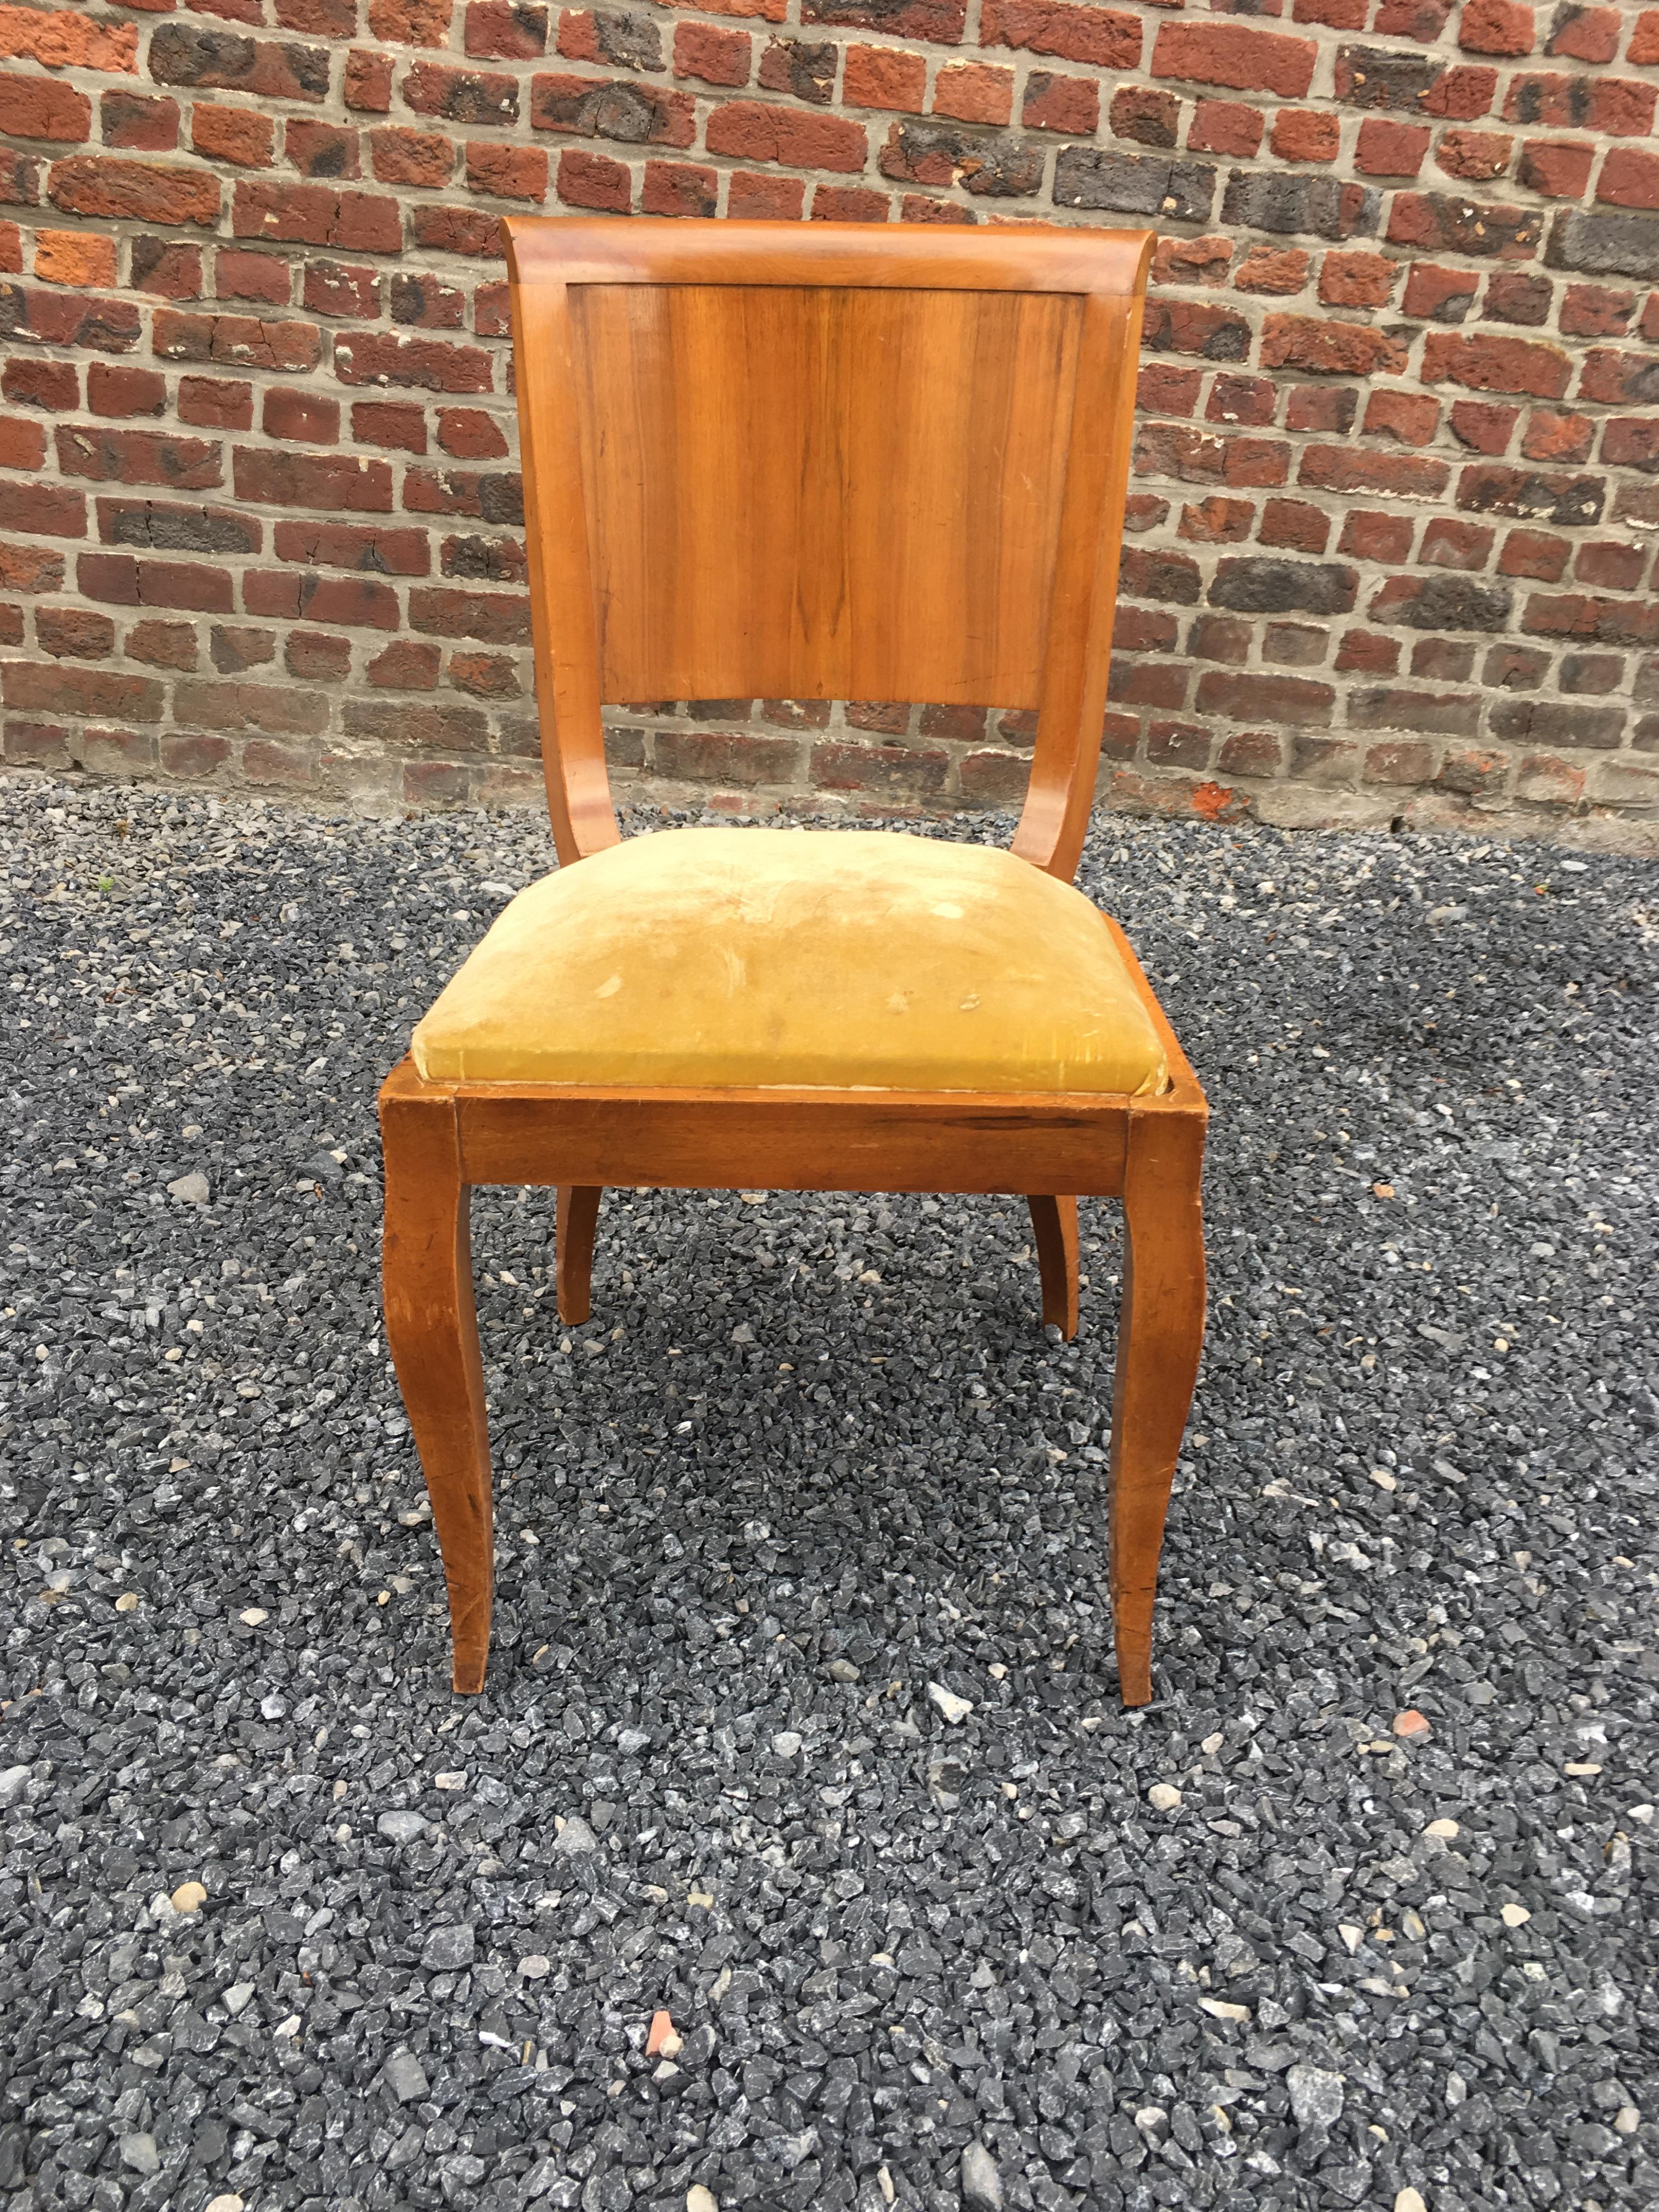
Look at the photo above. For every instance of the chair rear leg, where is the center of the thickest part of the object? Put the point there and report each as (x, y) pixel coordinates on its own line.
(1053, 1231)
(576, 1218)
(432, 1330)
(1160, 1335)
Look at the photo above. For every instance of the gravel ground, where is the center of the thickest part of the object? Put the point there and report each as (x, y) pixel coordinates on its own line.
(812, 1456)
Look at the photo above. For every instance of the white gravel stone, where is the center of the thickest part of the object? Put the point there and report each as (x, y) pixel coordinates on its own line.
(982, 2185)
(1163, 1798)
(575, 1838)
(190, 1190)
(1316, 2096)
(956, 1709)
(402, 1827)
(14, 1781)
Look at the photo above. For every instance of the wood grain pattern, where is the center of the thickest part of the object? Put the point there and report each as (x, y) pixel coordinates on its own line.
(815, 460)
(796, 493)
(432, 1332)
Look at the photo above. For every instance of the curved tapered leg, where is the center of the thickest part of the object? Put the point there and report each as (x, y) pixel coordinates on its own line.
(432, 1331)
(1053, 1231)
(1159, 1338)
(575, 1220)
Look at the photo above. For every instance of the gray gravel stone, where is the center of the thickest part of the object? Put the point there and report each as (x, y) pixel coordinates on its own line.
(14, 1784)
(405, 2077)
(1422, 1475)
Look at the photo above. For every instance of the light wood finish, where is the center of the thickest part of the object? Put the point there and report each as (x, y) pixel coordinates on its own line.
(1053, 1231)
(820, 460)
(576, 1217)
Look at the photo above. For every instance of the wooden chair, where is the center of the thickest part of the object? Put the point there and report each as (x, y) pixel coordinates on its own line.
(811, 462)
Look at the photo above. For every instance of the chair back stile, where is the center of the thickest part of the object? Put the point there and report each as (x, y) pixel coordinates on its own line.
(824, 461)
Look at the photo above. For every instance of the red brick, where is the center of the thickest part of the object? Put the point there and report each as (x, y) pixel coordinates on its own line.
(73, 257)
(1248, 400)
(1494, 364)
(326, 545)
(238, 275)
(332, 288)
(1191, 260)
(350, 602)
(974, 92)
(368, 82)
(1444, 295)
(591, 180)
(1070, 104)
(764, 199)
(1224, 126)
(684, 188)
(432, 364)
(847, 203)
(139, 123)
(1294, 523)
(305, 417)
(211, 404)
(54, 385)
(11, 249)
(162, 645)
(1367, 652)
(23, 443)
(885, 77)
(1217, 521)
(30, 569)
(1162, 389)
(1371, 537)
(1566, 437)
(1594, 311)
(1301, 134)
(410, 22)
(1629, 178)
(241, 341)
(1338, 15)
(1109, 37)
(506, 30)
(61, 38)
(1273, 269)
(918, 207)
(41, 107)
(714, 57)
(1619, 380)
(240, 135)
(120, 579)
(1450, 543)
(507, 173)
(317, 214)
(1234, 55)
(398, 156)
(1610, 567)
(139, 457)
(497, 618)
(1410, 417)
(1558, 169)
(46, 510)
(756, 132)
(1645, 39)
(1357, 279)
(405, 665)
(1292, 701)
(112, 390)
(1150, 118)
(1533, 553)
(1628, 441)
(1585, 34)
(1517, 295)
(1390, 150)
(1476, 155)
(1495, 27)
(1328, 347)
(321, 149)
(1483, 428)
(332, 482)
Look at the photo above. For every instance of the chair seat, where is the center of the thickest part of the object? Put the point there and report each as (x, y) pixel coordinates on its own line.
(736, 958)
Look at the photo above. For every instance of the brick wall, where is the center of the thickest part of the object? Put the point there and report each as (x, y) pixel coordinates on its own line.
(1397, 479)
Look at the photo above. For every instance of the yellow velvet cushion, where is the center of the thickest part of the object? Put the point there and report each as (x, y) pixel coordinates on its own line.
(743, 957)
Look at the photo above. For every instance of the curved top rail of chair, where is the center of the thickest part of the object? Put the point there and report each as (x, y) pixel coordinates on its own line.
(666, 250)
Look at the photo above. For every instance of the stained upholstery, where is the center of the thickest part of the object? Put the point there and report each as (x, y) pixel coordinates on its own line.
(737, 957)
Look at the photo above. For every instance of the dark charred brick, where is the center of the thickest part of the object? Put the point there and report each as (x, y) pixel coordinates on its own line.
(1372, 78)
(1603, 243)
(177, 529)
(1134, 184)
(939, 154)
(805, 67)
(1556, 722)
(501, 499)
(1567, 501)
(626, 40)
(1250, 585)
(629, 114)
(1291, 204)
(1429, 714)
(226, 61)
(1191, 327)
(1443, 602)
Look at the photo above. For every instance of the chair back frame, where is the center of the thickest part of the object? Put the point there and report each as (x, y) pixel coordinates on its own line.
(607, 388)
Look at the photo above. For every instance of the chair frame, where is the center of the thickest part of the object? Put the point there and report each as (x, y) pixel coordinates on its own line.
(440, 1139)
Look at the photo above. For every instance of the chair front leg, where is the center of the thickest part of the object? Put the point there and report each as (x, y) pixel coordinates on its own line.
(576, 1218)
(1053, 1231)
(432, 1329)
(1160, 1335)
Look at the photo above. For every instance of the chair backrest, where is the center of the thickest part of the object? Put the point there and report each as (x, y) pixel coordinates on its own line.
(822, 461)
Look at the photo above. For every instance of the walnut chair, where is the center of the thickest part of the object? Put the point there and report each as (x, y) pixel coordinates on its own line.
(814, 461)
